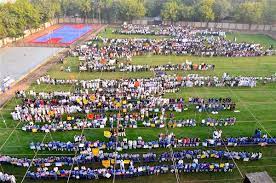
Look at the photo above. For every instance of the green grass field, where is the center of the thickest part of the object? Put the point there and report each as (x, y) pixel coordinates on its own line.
(257, 110)
(255, 38)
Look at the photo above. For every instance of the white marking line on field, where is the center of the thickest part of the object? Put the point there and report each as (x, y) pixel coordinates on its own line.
(48, 85)
(249, 121)
(255, 118)
(172, 156)
(252, 166)
(251, 114)
(248, 109)
(211, 180)
(70, 173)
(227, 148)
(264, 63)
(250, 102)
(9, 135)
(32, 161)
(192, 181)
(7, 139)
(270, 93)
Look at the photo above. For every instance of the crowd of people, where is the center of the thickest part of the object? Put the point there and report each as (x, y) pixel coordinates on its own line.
(114, 50)
(164, 141)
(157, 85)
(87, 173)
(50, 107)
(96, 66)
(79, 124)
(112, 144)
(118, 104)
(160, 30)
(88, 158)
(240, 141)
(218, 122)
(4, 177)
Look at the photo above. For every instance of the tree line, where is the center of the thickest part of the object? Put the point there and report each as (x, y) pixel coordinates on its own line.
(28, 14)
(241, 11)
(17, 17)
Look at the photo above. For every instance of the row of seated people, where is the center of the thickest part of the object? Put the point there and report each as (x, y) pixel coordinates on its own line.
(4, 177)
(88, 157)
(142, 170)
(164, 141)
(165, 30)
(94, 66)
(194, 45)
(79, 124)
(159, 83)
(37, 109)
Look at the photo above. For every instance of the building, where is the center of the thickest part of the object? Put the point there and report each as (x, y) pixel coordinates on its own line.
(258, 177)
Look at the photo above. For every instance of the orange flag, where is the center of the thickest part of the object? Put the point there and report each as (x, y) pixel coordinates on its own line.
(106, 163)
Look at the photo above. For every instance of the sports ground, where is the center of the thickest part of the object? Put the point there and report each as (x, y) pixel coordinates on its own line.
(257, 108)
(64, 35)
(60, 35)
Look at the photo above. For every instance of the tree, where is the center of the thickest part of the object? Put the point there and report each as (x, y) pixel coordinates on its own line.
(85, 7)
(107, 9)
(103, 9)
(185, 12)
(249, 12)
(27, 13)
(3, 32)
(171, 10)
(13, 23)
(269, 14)
(203, 11)
(221, 9)
(47, 9)
(153, 7)
(190, 2)
(130, 9)
(69, 7)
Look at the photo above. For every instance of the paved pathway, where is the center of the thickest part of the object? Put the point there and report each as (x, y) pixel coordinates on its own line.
(18, 61)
